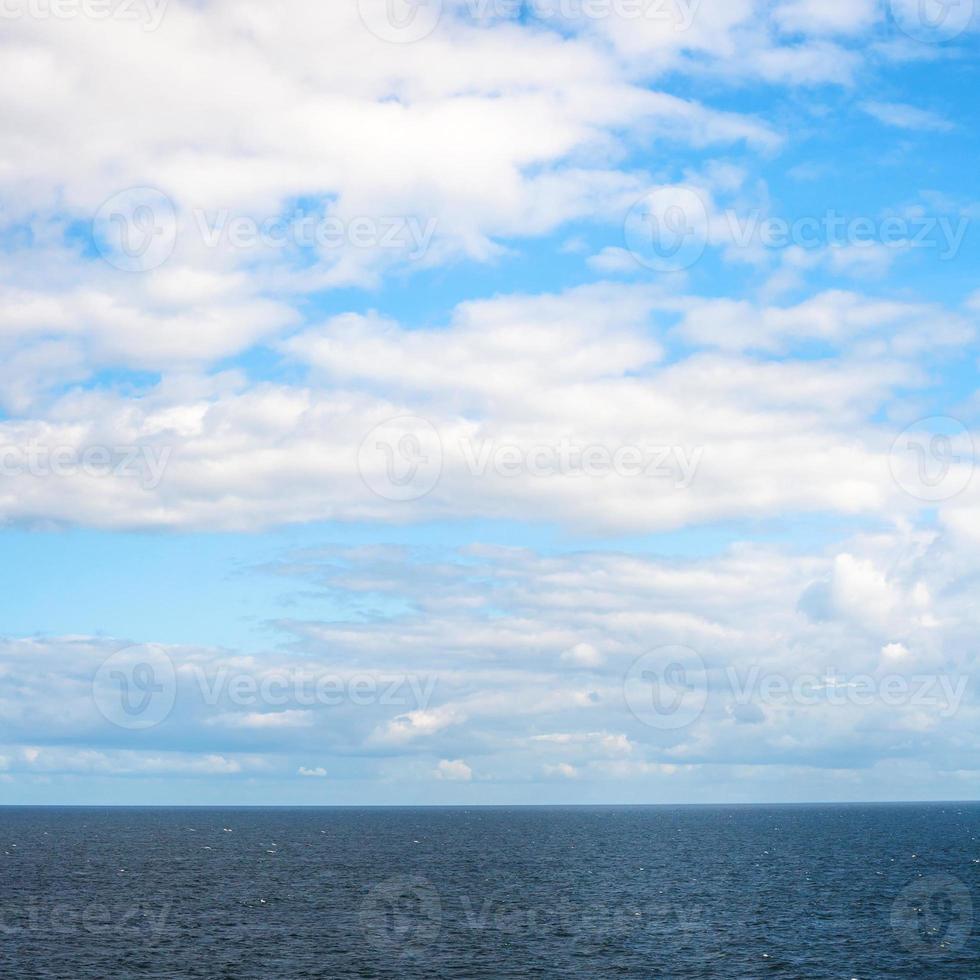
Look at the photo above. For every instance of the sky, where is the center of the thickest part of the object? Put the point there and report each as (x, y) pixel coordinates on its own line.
(483, 401)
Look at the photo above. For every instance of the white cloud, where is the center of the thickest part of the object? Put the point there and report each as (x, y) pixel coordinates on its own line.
(906, 116)
(317, 773)
(529, 125)
(843, 319)
(562, 770)
(613, 260)
(419, 724)
(131, 762)
(526, 125)
(601, 743)
(894, 651)
(860, 591)
(272, 719)
(847, 17)
(744, 406)
(454, 770)
(583, 655)
(502, 695)
(514, 391)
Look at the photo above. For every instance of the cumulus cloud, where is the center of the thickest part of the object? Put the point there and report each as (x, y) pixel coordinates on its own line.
(304, 139)
(316, 773)
(453, 769)
(304, 142)
(561, 770)
(785, 687)
(419, 724)
(562, 406)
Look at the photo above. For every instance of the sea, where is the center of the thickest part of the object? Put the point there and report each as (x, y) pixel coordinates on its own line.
(728, 892)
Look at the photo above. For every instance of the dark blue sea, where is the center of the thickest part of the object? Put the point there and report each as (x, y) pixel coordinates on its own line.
(807, 892)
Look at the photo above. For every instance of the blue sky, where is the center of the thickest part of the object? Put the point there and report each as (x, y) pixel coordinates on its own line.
(586, 403)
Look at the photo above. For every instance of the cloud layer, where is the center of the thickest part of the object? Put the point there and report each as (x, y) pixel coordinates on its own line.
(599, 271)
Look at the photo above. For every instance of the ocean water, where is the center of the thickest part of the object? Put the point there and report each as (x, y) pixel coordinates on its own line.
(865, 892)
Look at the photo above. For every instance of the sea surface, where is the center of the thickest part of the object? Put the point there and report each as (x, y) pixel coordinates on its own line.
(807, 892)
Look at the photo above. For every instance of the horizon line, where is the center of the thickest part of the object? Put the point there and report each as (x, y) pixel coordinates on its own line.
(469, 806)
